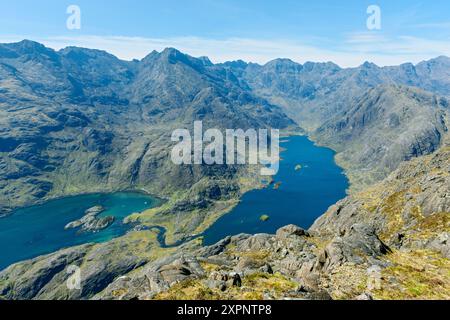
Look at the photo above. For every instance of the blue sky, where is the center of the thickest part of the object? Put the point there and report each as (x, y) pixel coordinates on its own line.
(258, 31)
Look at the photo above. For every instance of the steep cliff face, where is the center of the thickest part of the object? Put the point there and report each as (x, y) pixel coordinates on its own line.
(388, 242)
(409, 209)
(387, 125)
(410, 213)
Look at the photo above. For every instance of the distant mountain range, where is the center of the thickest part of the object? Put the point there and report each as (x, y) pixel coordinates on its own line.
(313, 91)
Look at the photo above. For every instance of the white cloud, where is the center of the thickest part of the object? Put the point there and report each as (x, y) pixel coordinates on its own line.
(366, 37)
(437, 25)
(355, 49)
(395, 50)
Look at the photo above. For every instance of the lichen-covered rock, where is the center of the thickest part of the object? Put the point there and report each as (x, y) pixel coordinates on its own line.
(95, 266)
(356, 245)
(290, 230)
(30, 279)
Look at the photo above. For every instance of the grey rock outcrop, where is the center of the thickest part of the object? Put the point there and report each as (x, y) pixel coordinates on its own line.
(90, 222)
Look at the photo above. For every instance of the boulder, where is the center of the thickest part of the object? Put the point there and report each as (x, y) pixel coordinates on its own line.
(289, 231)
(355, 246)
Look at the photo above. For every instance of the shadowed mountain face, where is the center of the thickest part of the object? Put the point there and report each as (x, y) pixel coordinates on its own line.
(81, 120)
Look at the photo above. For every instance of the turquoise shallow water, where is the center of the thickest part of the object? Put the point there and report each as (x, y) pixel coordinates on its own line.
(38, 230)
(302, 197)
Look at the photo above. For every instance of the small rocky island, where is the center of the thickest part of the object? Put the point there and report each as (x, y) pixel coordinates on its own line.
(90, 222)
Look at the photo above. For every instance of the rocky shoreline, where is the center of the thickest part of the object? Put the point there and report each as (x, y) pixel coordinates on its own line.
(5, 211)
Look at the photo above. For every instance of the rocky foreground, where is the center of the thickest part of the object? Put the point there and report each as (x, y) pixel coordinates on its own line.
(388, 242)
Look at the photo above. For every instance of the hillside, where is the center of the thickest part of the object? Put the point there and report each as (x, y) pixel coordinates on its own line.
(327, 101)
(400, 227)
(387, 125)
(80, 121)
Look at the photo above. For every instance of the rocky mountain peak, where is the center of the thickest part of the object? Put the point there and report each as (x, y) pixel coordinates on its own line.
(77, 53)
(283, 65)
(440, 60)
(237, 64)
(369, 65)
(172, 53)
(30, 48)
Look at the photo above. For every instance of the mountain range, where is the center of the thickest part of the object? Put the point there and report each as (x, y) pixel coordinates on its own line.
(81, 121)
(358, 112)
(81, 108)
